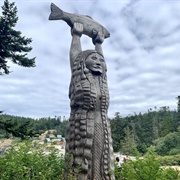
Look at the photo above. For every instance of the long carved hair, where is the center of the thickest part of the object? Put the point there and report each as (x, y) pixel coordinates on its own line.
(81, 80)
(80, 131)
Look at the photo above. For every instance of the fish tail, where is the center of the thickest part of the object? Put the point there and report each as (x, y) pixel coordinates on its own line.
(56, 13)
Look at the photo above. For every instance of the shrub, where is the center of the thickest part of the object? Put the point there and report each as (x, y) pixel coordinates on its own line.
(25, 161)
(169, 160)
(169, 144)
(174, 151)
(146, 168)
(170, 174)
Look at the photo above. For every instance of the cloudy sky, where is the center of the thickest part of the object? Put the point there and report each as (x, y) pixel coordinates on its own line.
(142, 56)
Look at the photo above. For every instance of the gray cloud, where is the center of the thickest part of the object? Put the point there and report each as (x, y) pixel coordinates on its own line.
(141, 54)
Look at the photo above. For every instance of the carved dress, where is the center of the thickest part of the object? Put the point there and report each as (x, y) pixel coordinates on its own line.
(88, 137)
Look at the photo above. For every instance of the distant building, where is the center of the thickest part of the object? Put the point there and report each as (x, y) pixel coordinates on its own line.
(48, 139)
(59, 136)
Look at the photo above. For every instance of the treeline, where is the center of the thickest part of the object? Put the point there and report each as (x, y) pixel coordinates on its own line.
(131, 135)
(135, 133)
(28, 127)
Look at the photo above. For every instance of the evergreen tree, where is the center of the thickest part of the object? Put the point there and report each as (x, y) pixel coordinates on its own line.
(128, 145)
(117, 126)
(13, 46)
(17, 129)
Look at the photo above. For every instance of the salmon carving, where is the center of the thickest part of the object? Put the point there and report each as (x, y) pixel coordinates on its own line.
(90, 26)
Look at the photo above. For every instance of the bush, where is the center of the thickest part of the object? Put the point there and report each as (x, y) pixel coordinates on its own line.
(25, 161)
(169, 144)
(169, 160)
(147, 168)
(174, 151)
(170, 174)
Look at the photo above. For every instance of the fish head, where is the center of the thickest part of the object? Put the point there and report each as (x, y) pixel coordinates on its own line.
(106, 33)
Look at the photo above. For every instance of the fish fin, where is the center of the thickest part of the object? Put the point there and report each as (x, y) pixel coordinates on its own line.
(56, 13)
(89, 17)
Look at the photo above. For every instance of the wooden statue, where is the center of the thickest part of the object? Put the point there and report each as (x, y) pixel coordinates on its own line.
(88, 137)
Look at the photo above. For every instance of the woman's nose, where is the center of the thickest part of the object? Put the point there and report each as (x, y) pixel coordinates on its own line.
(98, 62)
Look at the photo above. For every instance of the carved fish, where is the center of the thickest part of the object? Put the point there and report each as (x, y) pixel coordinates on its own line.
(90, 26)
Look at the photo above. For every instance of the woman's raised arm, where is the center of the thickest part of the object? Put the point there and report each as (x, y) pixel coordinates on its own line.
(75, 49)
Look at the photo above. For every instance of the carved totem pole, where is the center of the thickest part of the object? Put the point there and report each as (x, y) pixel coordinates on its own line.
(88, 137)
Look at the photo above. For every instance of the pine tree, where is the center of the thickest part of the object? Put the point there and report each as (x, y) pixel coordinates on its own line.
(13, 46)
(128, 145)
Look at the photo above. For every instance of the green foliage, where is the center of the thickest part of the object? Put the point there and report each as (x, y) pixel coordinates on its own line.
(23, 127)
(131, 135)
(146, 168)
(169, 144)
(174, 151)
(22, 130)
(170, 174)
(28, 162)
(51, 123)
(13, 46)
(31, 161)
(70, 175)
(117, 128)
(141, 130)
(128, 145)
(117, 172)
(169, 160)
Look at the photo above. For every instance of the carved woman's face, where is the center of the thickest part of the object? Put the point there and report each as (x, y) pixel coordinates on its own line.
(95, 62)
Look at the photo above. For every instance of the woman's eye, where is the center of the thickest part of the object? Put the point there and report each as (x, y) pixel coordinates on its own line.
(101, 60)
(94, 58)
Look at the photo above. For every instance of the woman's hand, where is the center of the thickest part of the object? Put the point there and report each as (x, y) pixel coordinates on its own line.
(99, 38)
(77, 29)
